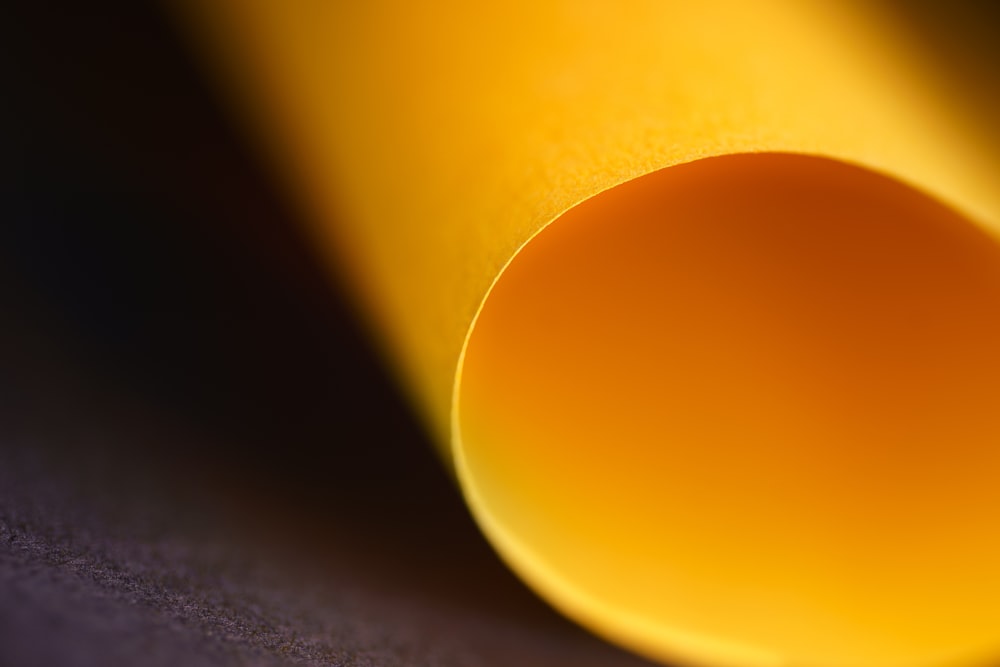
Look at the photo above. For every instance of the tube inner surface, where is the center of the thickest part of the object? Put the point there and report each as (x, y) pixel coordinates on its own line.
(747, 411)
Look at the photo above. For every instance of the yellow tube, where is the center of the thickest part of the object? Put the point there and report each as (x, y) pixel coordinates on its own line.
(735, 407)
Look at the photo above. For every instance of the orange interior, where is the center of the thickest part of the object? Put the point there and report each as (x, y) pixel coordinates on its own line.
(747, 411)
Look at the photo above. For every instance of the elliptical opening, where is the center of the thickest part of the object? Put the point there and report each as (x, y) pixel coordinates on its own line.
(745, 411)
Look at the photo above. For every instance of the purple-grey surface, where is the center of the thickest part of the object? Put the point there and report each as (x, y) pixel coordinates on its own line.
(116, 551)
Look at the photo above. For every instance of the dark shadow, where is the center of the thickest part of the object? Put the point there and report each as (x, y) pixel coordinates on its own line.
(169, 338)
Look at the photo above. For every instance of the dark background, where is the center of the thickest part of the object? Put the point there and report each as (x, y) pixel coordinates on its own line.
(202, 460)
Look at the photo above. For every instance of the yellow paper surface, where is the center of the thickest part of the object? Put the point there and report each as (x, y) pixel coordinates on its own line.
(735, 412)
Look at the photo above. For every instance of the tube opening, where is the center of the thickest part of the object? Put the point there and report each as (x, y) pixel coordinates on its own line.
(744, 411)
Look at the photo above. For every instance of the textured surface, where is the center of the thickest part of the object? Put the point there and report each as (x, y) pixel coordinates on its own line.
(114, 552)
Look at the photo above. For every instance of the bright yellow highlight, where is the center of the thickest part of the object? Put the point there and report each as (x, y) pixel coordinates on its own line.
(736, 411)
(757, 428)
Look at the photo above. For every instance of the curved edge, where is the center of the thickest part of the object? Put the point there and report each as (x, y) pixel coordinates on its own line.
(615, 624)
(627, 628)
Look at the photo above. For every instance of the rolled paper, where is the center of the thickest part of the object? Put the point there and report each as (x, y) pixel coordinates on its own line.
(701, 301)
